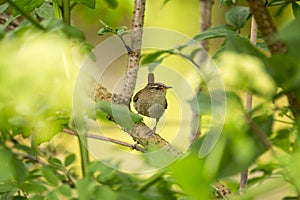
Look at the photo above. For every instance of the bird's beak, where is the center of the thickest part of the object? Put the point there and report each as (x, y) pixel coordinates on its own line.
(168, 87)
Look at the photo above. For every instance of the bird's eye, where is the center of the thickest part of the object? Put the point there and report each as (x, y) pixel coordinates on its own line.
(157, 88)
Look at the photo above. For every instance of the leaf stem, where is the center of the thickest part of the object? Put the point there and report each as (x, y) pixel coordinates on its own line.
(66, 11)
(84, 154)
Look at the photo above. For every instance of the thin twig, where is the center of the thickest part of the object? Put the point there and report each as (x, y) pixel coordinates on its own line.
(99, 137)
(31, 157)
(253, 37)
(35, 159)
(134, 54)
(257, 130)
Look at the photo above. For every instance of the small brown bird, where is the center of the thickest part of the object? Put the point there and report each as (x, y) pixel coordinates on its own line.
(151, 101)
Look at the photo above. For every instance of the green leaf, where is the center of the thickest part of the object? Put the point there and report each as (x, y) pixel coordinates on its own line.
(215, 32)
(265, 123)
(104, 30)
(73, 32)
(165, 2)
(69, 159)
(33, 187)
(151, 57)
(19, 121)
(12, 168)
(6, 188)
(281, 9)
(242, 45)
(29, 5)
(285, 71)
(49, 127)
(121, 114)
(56, 163)
(276, 2)
(296, 9)
(113, 4)
(45, 11)
(129, 192)
(65, 190)
(290, 37)
(3, 7)
(106, 193)
(85, 188)
(204, 102)
(195, 52)
(56, 9)
(193, 182)
(282, 140)
(52, 196)
(237, 16)
(226, 3)
(50, 176)
(89, 3)
(291, 198)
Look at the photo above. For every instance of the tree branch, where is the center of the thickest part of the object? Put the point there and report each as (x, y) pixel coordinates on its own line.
(266, 26)
(99, 137)
(253, 38)
(205, 17)
(269, 33)
(133, 55)
(257, 130)
(205, 12)
(140, 133)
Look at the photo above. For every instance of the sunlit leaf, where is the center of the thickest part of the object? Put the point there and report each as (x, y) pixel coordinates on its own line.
(215, 32)
(121, 114)
(45, 10)
(276, 2)
(193, 182)
(246, 73)
(3, 7)
(242, 45)
(152, 57)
